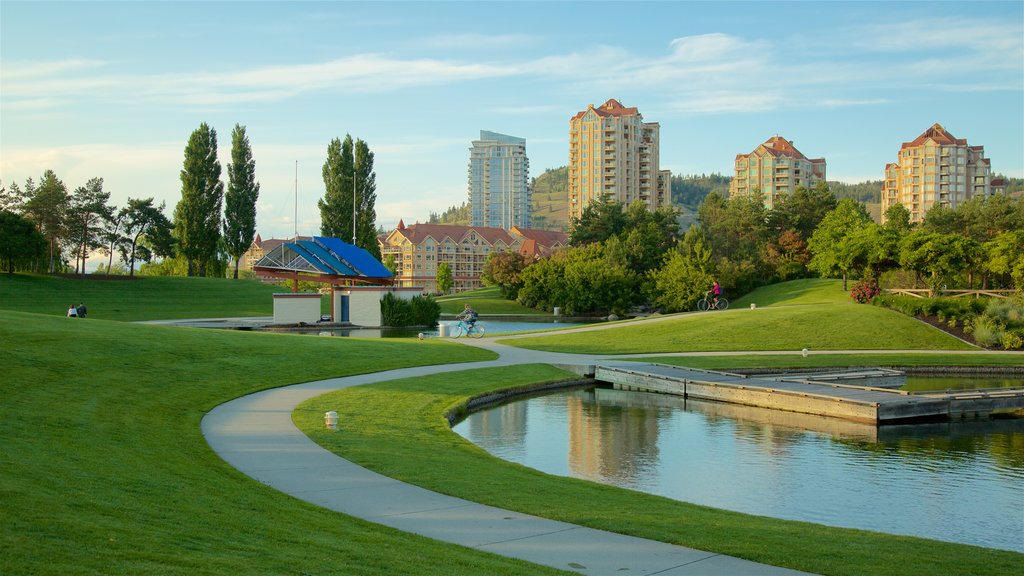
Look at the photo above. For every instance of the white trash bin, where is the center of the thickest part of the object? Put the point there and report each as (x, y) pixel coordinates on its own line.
(442, 330)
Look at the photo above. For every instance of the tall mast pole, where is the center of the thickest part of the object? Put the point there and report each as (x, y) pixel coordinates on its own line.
(295, 219)
(353, 195)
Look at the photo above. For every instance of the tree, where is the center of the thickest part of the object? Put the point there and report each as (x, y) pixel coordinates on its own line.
(1005, 256)
(140, 218)
(802, 210)
(11, 197)
(685, 276)
(20, 242)
(940, 256)
(240, 198)
(444, 278)
(599, 221)
(87, 217)
(197, 216)
(47, 205)
(831, 247)
(348, 173)
(504, 269)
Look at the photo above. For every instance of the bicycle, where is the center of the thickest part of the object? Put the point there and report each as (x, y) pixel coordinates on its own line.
(470, 331)
(705, 302)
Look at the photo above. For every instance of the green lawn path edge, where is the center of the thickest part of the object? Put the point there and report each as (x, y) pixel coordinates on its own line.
(104, 469)
(397, 428)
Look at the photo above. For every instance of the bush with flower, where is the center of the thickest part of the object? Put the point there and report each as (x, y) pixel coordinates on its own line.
(864, 291)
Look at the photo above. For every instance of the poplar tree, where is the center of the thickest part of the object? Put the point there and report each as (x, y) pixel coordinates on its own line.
(197, 216)
(346, 161)
(240, 198)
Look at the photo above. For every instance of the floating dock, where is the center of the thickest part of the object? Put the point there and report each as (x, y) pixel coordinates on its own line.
(833, 394)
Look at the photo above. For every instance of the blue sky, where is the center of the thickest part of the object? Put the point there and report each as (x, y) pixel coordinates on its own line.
(114, 89)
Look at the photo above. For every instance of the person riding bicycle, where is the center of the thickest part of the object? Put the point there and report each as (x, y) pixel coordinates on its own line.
(468, 316)
(716, 291)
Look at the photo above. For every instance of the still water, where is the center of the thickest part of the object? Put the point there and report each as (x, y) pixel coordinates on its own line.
(960, 482)
(490, 327)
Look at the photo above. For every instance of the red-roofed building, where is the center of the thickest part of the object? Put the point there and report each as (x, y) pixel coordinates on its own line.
(775, 168)
(614, 155)
(937, 168)
(418, 249)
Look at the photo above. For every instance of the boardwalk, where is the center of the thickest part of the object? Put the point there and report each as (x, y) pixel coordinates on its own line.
(834, 396)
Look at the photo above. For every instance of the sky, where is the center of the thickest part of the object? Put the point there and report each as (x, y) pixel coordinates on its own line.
(114, 89)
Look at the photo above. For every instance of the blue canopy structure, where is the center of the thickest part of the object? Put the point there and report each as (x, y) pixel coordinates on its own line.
(322, 259)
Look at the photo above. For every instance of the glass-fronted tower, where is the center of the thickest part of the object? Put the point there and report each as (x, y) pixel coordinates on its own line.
(499, 181)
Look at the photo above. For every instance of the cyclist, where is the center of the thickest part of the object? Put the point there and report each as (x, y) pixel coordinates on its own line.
(468, 316)
(716, 291)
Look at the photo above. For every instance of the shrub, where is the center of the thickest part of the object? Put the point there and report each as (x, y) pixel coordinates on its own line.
(987, 332)
(1010, 311)
(864, 291)
(1012, 340)
(420, 311)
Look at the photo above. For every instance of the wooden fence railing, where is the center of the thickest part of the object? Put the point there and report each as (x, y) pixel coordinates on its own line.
(926, 293)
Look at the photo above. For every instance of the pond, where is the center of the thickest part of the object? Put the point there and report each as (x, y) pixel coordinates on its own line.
(960, 482)
(491, 327)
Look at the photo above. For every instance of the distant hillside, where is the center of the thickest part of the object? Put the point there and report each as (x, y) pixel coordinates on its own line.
(869, 192)
(551, 200)
(689, 190)
(457, 215)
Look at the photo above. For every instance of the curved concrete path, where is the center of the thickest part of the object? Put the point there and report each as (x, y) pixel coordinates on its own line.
(255, 434)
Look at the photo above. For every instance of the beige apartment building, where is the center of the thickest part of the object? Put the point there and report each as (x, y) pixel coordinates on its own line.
(613, 155)
(937, 168)
(775, 168)
(419, 249)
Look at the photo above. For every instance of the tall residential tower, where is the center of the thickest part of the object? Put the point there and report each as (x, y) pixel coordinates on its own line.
(936, 168)
(499, 181)
(613, 155)
(775, 168)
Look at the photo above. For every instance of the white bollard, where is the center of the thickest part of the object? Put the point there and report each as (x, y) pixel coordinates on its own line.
(331, 420)
(442, 329)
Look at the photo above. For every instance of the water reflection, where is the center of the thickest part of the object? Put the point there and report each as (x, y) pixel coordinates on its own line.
(959, 482)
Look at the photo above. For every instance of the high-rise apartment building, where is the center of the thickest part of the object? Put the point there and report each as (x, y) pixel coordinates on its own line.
(499, 181)
(775, 168)
(936, 168)
(613, 155)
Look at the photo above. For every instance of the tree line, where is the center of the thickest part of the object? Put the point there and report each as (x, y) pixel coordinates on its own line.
(624, 257)
(44, 227)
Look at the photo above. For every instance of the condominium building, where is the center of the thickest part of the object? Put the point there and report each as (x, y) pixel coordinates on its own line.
(499, 181)
(418, 249)
(613, 155)
(936, 168)
(775, 168)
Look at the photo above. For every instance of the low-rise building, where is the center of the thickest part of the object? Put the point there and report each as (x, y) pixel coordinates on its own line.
(417, 250)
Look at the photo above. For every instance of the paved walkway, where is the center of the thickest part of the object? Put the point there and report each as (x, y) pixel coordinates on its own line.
(255, 434)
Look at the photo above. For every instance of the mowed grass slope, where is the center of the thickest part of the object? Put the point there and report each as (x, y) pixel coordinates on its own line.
(484, 301)
(789, 316)
(143, 298)
(104, 470)
(397, 429)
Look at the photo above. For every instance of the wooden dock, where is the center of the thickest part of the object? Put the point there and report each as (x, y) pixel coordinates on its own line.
(835, 395)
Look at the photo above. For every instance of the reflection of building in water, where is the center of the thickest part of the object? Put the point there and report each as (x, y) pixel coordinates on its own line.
(610, 442)
(507, 422)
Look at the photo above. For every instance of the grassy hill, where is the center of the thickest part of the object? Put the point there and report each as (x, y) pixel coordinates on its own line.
(551, 200)
(814, 314)
(143, 298)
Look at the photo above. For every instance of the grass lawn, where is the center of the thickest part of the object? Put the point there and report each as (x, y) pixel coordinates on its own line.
(793, 292)
(826, 360)
(813, 326)
(484, 301)
(144, 298)
(397, 429)
(104, 470)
